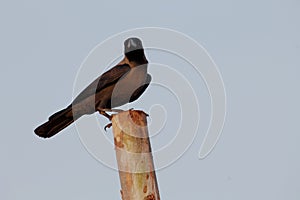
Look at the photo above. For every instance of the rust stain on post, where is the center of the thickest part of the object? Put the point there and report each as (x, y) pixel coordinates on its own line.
(145, 189)
(134, 157)
(150, 197)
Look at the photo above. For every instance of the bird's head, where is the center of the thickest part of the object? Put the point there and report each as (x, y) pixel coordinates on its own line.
(134, 49)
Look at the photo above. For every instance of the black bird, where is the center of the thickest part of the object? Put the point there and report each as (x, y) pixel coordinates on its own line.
(121, 84)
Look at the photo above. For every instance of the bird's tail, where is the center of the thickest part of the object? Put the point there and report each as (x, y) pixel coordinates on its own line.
(57, 122)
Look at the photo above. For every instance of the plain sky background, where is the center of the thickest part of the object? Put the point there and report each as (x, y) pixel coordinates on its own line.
(256, 46)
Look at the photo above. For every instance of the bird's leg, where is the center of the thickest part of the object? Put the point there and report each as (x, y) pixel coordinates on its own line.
(102, 112)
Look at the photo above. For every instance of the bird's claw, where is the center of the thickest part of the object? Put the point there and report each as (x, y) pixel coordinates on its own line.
(107, 126)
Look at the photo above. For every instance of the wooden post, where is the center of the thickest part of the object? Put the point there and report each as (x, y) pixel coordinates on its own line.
(134, 157)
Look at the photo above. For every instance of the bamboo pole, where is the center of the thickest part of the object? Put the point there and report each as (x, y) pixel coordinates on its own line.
(134, 157)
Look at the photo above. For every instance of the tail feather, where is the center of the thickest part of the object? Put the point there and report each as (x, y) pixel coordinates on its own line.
(59, 113)
(56, 123)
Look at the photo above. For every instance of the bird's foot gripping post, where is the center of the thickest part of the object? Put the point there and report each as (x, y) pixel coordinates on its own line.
(104, 113)
(134, 157)
(109, 117)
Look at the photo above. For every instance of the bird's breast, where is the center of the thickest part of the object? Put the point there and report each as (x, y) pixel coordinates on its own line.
(127, 84)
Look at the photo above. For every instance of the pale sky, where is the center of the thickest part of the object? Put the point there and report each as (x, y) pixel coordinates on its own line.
(256, 46)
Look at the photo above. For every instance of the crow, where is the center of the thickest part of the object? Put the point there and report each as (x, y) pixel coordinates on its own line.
(124, 83)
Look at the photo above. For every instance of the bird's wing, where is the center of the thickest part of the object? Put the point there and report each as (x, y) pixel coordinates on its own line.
(138, 92)
(108, 78)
